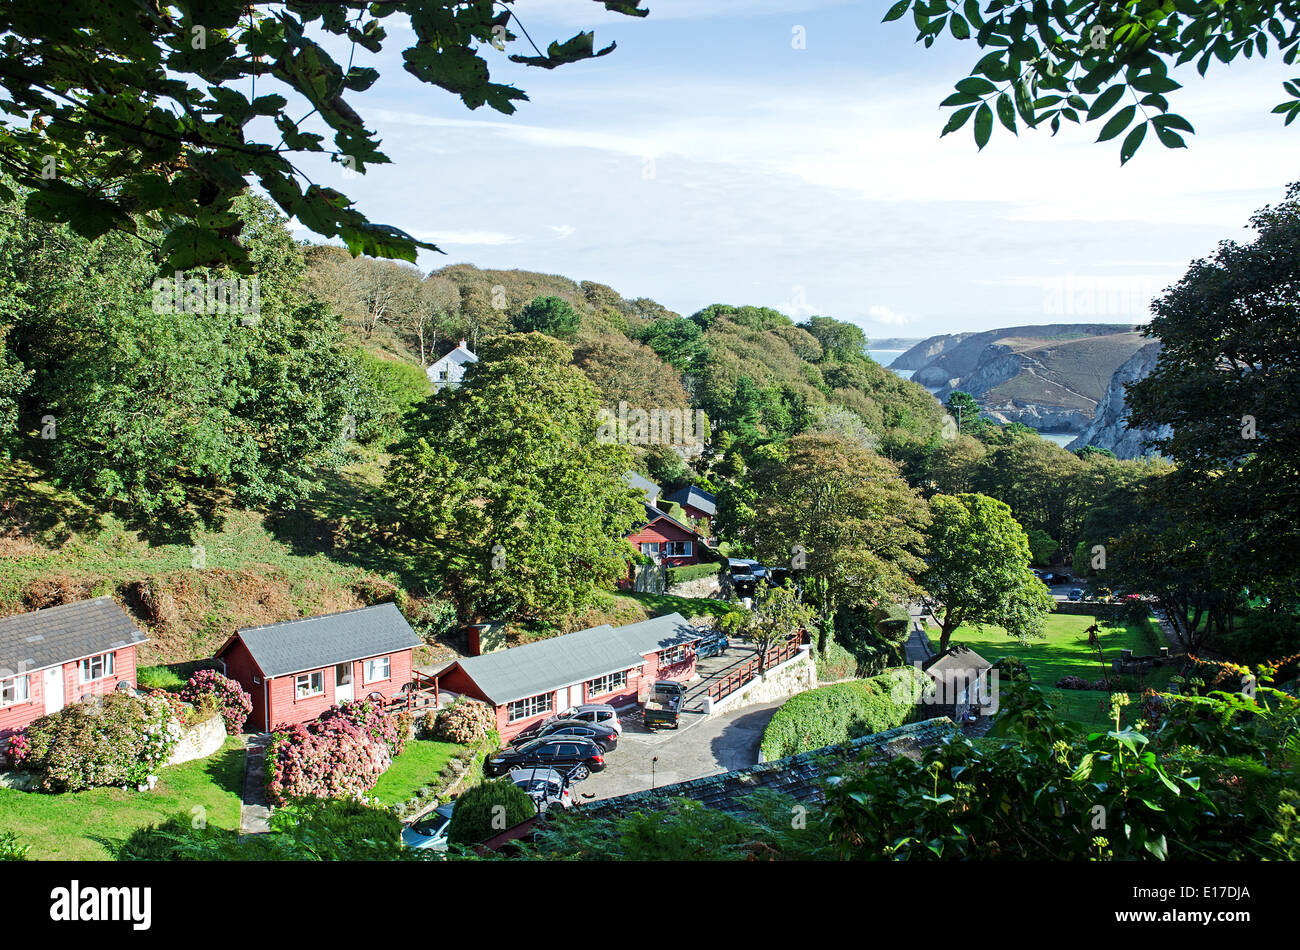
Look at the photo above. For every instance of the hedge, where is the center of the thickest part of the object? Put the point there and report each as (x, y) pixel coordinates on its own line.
(691, 572)
(835, 714)
(487, 810)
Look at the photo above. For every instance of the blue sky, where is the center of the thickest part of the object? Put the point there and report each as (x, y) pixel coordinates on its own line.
(707, 160)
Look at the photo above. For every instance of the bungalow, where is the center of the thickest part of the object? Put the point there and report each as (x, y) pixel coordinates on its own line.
(449, 370)
(56, 656)
(963, 684)
(666, 540)
(614, 665)
(297, 669)
(698, 504)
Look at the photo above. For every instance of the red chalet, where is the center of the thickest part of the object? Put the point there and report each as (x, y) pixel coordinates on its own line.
(662, 538)
(296, 670)
(614, 665)
(54, 657)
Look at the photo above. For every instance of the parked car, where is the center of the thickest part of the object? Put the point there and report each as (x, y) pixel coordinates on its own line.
(430, 830)
(546, 787)
(600, 713)
(1076, 593)
(663, 707)
(714, 644)
(1052, 579)
(570, 755)
(604, 736)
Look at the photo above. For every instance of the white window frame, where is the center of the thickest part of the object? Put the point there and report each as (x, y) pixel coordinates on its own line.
(369, 667)
(86, 667)
(650, 548)
(673, 656)
(530, 706)
(21, 690)
(309, 677)
(684, 545)
(610, 683)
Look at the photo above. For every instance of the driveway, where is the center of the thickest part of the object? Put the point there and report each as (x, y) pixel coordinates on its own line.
(699, 746)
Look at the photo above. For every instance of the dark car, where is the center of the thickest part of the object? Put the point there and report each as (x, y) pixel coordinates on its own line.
(715, 643)
(570, 755)
(603, 736)
(1053, 579)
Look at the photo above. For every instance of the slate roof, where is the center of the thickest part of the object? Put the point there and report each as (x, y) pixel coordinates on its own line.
(534, 668)
(316, 642)
(697, 498)
(799, 776)
(42, 638)
(640, 483)
(653, 514)
(959, 658)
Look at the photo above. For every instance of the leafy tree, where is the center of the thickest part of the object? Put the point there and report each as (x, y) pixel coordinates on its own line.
(141, 116)
(506, 490)
(965, 411)
(550, 315)
(1041, 546)
(626, 371)
(1227, 383)
(978, 569)
(1078, 60)
(488, 809)
(840, 339)
(677, 341)
(841, 516)
(778, 614)
(1089, 451)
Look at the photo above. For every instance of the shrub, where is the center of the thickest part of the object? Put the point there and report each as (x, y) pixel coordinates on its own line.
(836, 663)
(1078, 682)
(488, 809)
(120, 740)
(834, 714)
(691, 572)
(465, 722)
(340, 755)
(11, 849)
(158, 677)
(230, 699)
(434, 619)
(19, 749)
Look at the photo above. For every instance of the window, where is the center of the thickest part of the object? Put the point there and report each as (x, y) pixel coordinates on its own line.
(377, 669)
(606, 684)
(96, 667)
(442, 374)
(532, 706)
(13, 691)
(308, 684)
(677, 548)
(650, 547)
(670, 657)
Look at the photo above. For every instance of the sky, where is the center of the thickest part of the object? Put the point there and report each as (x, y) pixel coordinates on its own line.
(709, 159)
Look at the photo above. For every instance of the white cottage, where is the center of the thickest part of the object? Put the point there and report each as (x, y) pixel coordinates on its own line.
(449, 370)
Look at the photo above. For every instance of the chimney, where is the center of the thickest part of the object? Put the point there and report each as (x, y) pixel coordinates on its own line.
(462, 343)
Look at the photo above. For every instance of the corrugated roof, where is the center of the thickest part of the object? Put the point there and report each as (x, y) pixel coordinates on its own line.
(696, 498)
(42, 638)
(315, 642)
(534, 668)
(799, 776)
(643, 484)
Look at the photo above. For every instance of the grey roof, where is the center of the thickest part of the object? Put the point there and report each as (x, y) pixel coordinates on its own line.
(315, 642)
(42, 638)
(697, 498)
(534, 668)
(959, 658)
(653, 514)
(643, 484)
(799, 776)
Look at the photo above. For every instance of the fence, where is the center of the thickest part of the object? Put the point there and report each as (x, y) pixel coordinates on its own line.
(743, 674)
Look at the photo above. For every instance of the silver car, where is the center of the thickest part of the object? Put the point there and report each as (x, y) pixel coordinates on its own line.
(546, 787)
(430, 830)
(598, 713)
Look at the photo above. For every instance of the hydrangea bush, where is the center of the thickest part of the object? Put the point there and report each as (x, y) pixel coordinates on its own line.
(119, 740)
(231, 699)
(465, 721)
(340, 755)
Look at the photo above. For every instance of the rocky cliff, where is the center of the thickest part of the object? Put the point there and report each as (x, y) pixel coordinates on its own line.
(1109, 429)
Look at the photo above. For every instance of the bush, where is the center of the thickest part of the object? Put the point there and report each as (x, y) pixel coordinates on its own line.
(120, 740)
(832, 715)
(158, 677)
(465, 722)
(228, 697)
(836, 663)
(488, 809)
(434, 619)
(340, 755)
(1078, 682)
(11, 849)
(691, 572)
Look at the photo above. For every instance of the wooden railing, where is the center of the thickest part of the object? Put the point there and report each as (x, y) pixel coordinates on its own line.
(422, 691)
(741, 675)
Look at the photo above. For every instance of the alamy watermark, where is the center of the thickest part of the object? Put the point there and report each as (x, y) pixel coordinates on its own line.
(181, 294)
(636, 426)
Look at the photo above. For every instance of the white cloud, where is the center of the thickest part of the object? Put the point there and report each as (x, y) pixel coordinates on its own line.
(465, 237)
(882, 314)
(564, 230)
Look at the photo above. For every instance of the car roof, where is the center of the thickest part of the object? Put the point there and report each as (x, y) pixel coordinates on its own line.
(536, 775)
(594, 707)
(543, 740)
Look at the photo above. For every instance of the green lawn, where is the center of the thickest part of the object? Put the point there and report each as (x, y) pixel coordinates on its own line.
(87, 826)
(660, 604)
(418, 765)
(1065, 652)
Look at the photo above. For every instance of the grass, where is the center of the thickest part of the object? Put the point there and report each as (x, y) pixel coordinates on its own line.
(1065, 652)
(660, 604)
(419, 765)
(89, 825)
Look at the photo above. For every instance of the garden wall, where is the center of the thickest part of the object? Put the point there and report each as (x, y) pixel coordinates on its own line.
(795, 675)
(199, 741)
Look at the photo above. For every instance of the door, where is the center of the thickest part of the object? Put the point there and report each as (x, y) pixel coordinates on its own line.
(343, 682)
(53, 689)
(575, 696)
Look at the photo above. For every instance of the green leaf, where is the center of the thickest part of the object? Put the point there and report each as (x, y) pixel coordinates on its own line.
(1007, 112)
(983, 125)
(957, 120)
(1170, 139)
(1117, 124)
(1106, 101)
(897, 10)
(958, 27)
(976, 85)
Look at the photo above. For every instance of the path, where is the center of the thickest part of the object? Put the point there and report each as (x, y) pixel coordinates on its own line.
(917, 649)
(255, 811)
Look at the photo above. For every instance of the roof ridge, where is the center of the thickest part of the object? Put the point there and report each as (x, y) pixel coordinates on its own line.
(337, 613)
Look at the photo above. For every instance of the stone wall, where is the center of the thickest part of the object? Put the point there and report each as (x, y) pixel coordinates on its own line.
(199, 741)
(700, 587)
(793, 676)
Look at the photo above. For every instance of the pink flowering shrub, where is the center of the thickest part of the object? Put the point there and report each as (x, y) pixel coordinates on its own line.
(230, 698)
(19, 750)
(340, 755)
